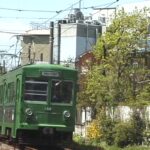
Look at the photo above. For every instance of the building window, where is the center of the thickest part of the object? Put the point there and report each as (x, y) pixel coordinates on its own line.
(41, 57)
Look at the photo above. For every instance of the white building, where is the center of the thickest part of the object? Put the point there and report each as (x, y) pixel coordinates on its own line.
(106, 15)
(76, 36)
(76, 39)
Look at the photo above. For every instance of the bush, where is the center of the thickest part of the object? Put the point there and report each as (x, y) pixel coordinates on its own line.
(107, 127)
(130, 133)
(78, 139)
(138, 126)
(123, 134)
(146, 137)
(93, 131)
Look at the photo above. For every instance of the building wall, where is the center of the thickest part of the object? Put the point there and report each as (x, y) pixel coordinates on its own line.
(68, 48)
(84, 45)
(76, 39)
(87, 35)
(38, 45)
(122, 113)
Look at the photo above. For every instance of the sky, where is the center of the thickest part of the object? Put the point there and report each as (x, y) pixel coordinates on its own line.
(18, 16)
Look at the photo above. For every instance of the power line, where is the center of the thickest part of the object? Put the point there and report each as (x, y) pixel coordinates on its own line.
(4, 45)
(8, 32)
(29, 10)
(39, 18)
(56, 11)
(71, 8)
(52, 11)
(66, 9)
(106, 7)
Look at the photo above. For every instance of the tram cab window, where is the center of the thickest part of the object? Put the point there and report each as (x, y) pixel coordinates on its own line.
(35, 89)
(61, 91)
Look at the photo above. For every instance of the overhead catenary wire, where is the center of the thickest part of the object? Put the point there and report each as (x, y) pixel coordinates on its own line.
(57, 13)
(106, 7)
(52, 11)
(9, 32)
(49, 11)
(36, 18)
(66, 9)
(71, 8)
(61, 32)
(29, 10)
(42, 18)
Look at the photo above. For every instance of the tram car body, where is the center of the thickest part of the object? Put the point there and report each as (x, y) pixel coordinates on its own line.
(37, 104)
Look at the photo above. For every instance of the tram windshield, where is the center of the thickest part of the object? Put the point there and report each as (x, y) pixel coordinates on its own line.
(61, 91)
(36, 89)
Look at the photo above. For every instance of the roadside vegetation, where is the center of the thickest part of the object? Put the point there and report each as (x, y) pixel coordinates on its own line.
(119, 76)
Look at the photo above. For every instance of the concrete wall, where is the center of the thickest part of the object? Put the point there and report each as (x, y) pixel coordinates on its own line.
(121, 112)
(76, 39)
(39, 46)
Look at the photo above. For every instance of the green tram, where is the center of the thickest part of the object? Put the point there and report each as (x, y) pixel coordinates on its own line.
(37, 104)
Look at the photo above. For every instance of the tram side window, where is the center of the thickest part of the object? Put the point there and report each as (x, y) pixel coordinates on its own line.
(61, 91)
(1, 94)
(35, 89)
(11, 92)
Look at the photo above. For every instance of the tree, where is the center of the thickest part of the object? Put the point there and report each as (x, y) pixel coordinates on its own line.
(116, 78)
(138, 125)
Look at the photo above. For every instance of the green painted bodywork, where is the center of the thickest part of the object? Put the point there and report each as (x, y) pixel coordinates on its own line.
(45, 114)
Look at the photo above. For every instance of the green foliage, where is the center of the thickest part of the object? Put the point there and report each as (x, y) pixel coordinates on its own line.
(119, 77)
(126, 148)
(107, 129)
(146, 137)
(123, 134)
(131, 132)
(108, 132)
(78, 139)
(138, 125)
(113, 78)
(144, 95)
(115, 49)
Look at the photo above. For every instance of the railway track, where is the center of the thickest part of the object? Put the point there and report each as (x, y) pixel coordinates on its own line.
(30, 148)
(4, 146)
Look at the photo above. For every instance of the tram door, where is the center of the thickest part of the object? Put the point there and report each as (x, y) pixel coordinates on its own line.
(17, 109)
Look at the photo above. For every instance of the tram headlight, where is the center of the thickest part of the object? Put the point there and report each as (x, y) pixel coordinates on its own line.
(67, 114)
(28, 111)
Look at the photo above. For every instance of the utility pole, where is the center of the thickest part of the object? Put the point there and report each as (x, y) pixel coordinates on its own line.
(80, 4)
(4, 66)
(51, 41)
(29, 53)
(3, 62)
(59, 42)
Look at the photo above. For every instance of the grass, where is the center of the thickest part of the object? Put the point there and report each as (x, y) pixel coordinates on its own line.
(80, 144)
(129, 148)
(90, 147)
(106, 147)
